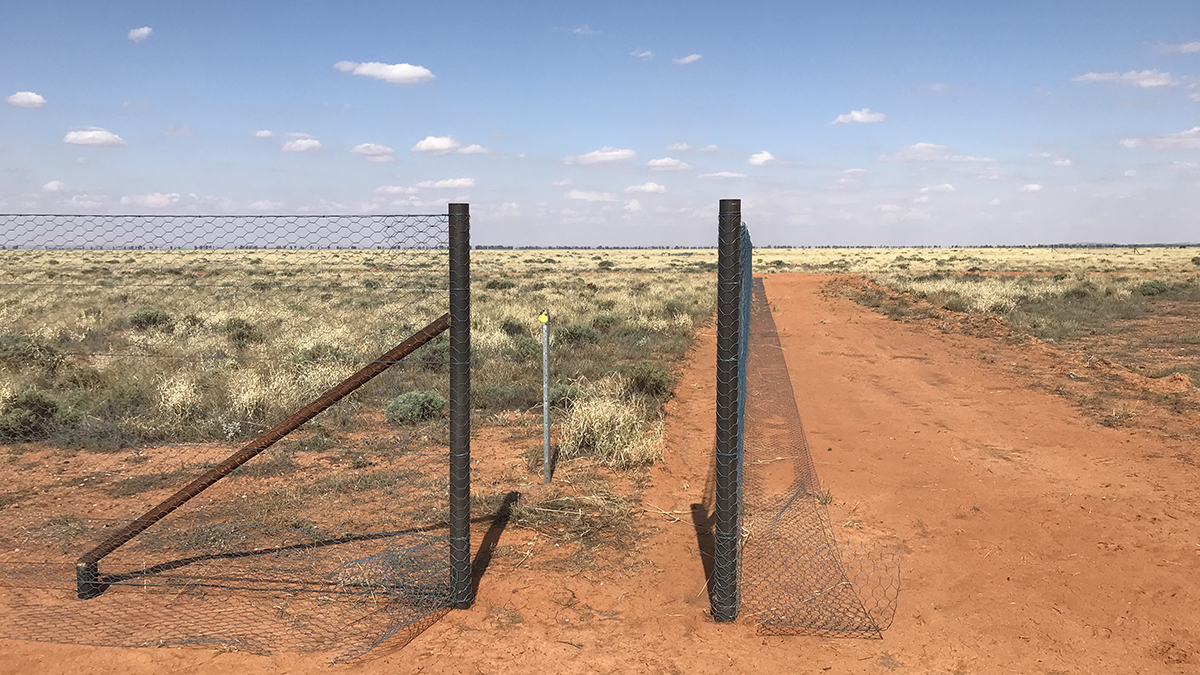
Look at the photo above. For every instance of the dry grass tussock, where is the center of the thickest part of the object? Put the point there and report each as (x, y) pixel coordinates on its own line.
(613, 424)
(134, 346)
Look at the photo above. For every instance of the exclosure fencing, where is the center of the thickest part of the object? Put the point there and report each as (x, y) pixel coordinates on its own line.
(136, 353)
(776, 560)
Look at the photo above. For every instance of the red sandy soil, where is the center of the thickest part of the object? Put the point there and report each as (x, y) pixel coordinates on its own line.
(1037, 541)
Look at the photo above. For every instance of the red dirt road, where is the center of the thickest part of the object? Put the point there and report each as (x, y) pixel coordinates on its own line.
(1036, 541)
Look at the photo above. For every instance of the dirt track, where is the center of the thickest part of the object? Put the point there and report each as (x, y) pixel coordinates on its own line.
(1036, 541)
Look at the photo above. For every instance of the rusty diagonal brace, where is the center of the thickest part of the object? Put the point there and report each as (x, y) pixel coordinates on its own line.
(87, 574)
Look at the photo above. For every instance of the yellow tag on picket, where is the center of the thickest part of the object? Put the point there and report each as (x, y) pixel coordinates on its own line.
(544, 317)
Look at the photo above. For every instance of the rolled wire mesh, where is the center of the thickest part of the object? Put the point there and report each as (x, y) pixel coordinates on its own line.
(135, 352)
(795, 577)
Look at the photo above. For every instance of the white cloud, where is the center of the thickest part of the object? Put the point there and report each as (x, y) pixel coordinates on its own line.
(473, 149)
(139, 34)
(647, 187)
(264, 133)
(709, 148)
(153, 200)
(437, 145)
(561, 183)
(850, 177)
(265, 205)
(930, 152)
(375, 152)
(684, 60)
(864, 116)
(1060, 161)
(448, 183)
(604, 155)
(762, 158)
(1194, 97)
(633, 206)
(584, 30)
(642, 53)
(1131, 173)
(723, 174)
(1185, 48)
(1188, 139)
(87, 201)
(400, 73)
(93, 136)
(668, 164)
(923, 199)
(944, 187)
(679, 147)
(26, 99)
(177, 130)
(589, 196)
(395, 190)
(1147, 79)
(54, 186)
(1031, 187)
(302, 143)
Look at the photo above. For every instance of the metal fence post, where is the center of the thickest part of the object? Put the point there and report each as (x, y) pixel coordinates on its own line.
(723, 595)
(460, 406)
(547, 456)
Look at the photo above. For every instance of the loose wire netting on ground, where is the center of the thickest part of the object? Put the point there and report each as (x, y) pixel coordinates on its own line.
(136, 352)
(795, 577)
(787, 572)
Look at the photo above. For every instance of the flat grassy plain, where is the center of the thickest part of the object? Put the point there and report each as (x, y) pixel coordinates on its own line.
(123, 374)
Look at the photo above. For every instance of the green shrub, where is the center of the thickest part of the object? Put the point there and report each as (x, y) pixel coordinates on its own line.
(1154, 287)
(605, 322)
(513, 328)
(151, 318)
(414, 406)
(574, 334)
(435, 355)
(18, 351)
(28, 416)
(371, 284)
(500, 285)
(606, 264)
(674, 308)
(241, 332)
(324, 353)
(957, 303)
(1196, 261)
(525, 348)
(650, 379)
(563, 395)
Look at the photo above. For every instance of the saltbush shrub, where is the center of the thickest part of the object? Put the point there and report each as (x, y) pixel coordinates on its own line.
(1154, 287)
(18, 352)
(324, 353)
(28, 416)
(574, 334)
(414, 406)
(650, 379)
(151, 318)
(241, 332)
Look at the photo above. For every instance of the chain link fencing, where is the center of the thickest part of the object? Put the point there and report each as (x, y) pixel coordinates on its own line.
(783, 569)
(138, 352)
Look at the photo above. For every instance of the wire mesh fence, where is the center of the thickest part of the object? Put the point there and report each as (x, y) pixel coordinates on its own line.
(787, 572)
(137, 352)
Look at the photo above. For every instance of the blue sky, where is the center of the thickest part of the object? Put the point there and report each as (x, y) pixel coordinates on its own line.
(618, 123)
